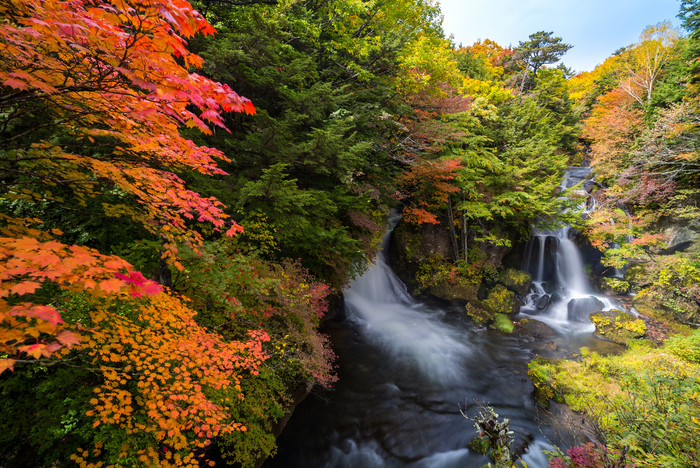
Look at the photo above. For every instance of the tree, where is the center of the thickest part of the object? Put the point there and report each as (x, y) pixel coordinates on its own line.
(542, 49)
(613, 126)
(93, 95)
(645, 61)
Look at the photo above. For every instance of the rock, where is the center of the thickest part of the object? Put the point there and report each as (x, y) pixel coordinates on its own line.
(503, 324)
(618, 326)
(459, 291)
(580, 309)
(558, 421)
(516, 280)
(678, 238)
(543, 302)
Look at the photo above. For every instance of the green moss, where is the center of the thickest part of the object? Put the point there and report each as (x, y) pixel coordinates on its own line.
(479, 314)
(442, 279)
(516, 280)
(541, 371)
(503, 324)
(479, 445)
(500, 300)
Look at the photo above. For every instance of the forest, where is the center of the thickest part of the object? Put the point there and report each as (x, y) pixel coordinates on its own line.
(186, 188)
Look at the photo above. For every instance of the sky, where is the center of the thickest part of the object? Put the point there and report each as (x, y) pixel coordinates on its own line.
(596, 28)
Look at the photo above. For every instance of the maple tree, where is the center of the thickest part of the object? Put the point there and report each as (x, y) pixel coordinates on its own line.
(613, 125)
(430, 182)
(116, 75)
(112, 75)
(166, 378)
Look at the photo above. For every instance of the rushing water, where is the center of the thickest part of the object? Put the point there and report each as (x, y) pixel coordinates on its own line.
(560, 295)
(406, 368)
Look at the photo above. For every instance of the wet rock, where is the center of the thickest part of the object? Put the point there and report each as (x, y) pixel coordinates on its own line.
(543, 302)
(560, 422)
(678, 238)
(580, 309)
(516, 280)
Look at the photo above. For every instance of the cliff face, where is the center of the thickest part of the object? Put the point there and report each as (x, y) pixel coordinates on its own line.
(423, 258)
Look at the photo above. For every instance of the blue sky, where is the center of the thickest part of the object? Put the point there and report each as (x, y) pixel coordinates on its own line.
(596, 28)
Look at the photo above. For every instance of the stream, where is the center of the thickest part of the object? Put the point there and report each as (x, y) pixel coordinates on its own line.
(406, 367)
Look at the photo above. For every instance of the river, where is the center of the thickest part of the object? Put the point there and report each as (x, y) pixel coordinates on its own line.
(406, 368)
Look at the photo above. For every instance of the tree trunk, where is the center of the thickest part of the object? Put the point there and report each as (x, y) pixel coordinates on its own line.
(453, 234)
(465, 244)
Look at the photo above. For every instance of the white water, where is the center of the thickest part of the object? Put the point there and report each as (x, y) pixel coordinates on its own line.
(561, 296)
(412, 333)
(406, 367)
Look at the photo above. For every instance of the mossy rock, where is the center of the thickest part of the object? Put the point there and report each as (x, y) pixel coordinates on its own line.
(618, 326)
(517, 281)
(541, 372)
(453, 291)
(503, 324)
(501, 301)
(480, 315)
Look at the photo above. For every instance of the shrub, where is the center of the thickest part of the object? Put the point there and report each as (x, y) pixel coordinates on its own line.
(500, 300)
(616, 285)
(516, 280)
(685, 347)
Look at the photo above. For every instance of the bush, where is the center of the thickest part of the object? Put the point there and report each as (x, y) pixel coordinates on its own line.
(617, 286)
(516, 280)
(645, 401)
(685, 347)
(500, 300)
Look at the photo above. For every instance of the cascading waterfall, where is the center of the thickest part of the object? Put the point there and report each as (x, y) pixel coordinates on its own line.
(410, 332)
(405, 368)
(560, 295)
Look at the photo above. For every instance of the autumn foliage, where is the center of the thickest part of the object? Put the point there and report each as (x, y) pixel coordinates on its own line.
(114, 74)
(166, 378)
(92, 99)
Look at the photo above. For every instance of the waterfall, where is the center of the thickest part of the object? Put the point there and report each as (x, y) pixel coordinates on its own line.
(560, 295)
(405, 370)
(412, 333)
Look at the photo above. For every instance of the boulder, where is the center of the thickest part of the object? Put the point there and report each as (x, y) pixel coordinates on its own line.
(543, 302)
(580, 309)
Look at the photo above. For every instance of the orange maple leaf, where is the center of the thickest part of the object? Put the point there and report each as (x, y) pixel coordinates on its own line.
(25, 287)
(7, 364)
(112, 285)
(68, 338)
